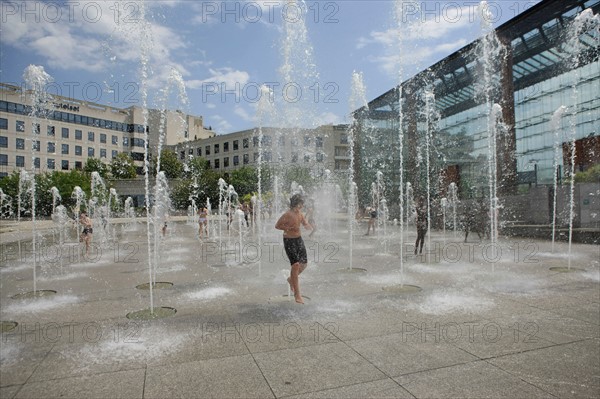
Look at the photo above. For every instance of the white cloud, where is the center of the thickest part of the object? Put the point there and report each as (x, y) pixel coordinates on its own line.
(242, 113)
(222, 125)
(225, 78)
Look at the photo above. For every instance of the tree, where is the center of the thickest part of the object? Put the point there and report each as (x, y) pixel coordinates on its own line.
(244, 180)
(96, 165)
(123, 167)
(169, 163)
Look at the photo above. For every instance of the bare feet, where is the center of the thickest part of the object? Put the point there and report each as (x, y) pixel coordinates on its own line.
(299, 299)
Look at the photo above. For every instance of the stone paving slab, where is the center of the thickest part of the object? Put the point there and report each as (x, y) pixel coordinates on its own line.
(471, 380)
(386, 388)
(231, 377)
(120, 384)
(230, 338)
(314, 368)
(569, 370)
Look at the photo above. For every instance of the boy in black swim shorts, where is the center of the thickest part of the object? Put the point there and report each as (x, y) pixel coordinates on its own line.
(295, 250)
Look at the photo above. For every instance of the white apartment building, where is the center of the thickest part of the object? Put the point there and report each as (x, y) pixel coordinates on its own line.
(71, 131)
(325, 147)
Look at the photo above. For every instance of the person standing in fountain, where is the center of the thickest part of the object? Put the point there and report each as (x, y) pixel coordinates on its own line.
(295, 250)
(421, 209)
(86, 234)
(372, 220)
(202, 222)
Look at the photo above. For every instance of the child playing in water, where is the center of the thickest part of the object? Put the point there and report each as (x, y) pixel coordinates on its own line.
(295, 250)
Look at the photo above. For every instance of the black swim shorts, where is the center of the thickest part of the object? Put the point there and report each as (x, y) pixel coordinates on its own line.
(295, 250)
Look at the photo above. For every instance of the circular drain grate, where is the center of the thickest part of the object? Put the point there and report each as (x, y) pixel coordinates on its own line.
(403, 289)
(159, 285)
(564, 269)
(352, 270)
(34, 294)
(6, 326)
(156, 313)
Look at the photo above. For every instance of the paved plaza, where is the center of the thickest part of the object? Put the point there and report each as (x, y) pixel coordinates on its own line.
(466, 321)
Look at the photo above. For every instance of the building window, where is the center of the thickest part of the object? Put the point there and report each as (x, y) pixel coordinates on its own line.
(182, 155)
(306, 158)
(20, 126)
(294, 157)
(64, 149)
(51, 131)
(306, 141)
(91, 151)
(245, 143)
(36, 163)
(226, 162)
(91, 136)
(77, 150)
(37, 145)
(294, 142)
(36, 128)
(102, 138)
(20, 161)
(64, 164)
(3, 159)
(3, 142)
(115, 140)
(199, 151)
(102, 152)
(319, 142)
(125, 141)
(78, 135)
(235, 145)
(226, 146)
(51, 148)
(255, 157)
(207, 150)
(236, 160)
(50, 163)
(216, 164)
(20, 144)
(320, 157)
(115, 153)
(266, 140)
(216, 148)
(78, 165)
(65, 132)
(191, 151)
(255, 141)
(267, 156)
(3, 124)
(344, 138)
(281, 141)
(246, 159)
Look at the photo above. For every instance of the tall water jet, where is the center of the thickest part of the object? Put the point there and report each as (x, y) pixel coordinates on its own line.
(490, 50)
(453, 199)
(555, 124)
(36, 80)
(6, 209)
(78, 195)
(264, 110)
(400, 19)
(55, 198)
(358, 100)
(429, 120)
(495, 123)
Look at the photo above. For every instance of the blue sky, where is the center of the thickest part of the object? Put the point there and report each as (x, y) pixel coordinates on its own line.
(224, 51)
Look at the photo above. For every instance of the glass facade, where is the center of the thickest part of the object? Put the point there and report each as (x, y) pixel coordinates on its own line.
(447, 118)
